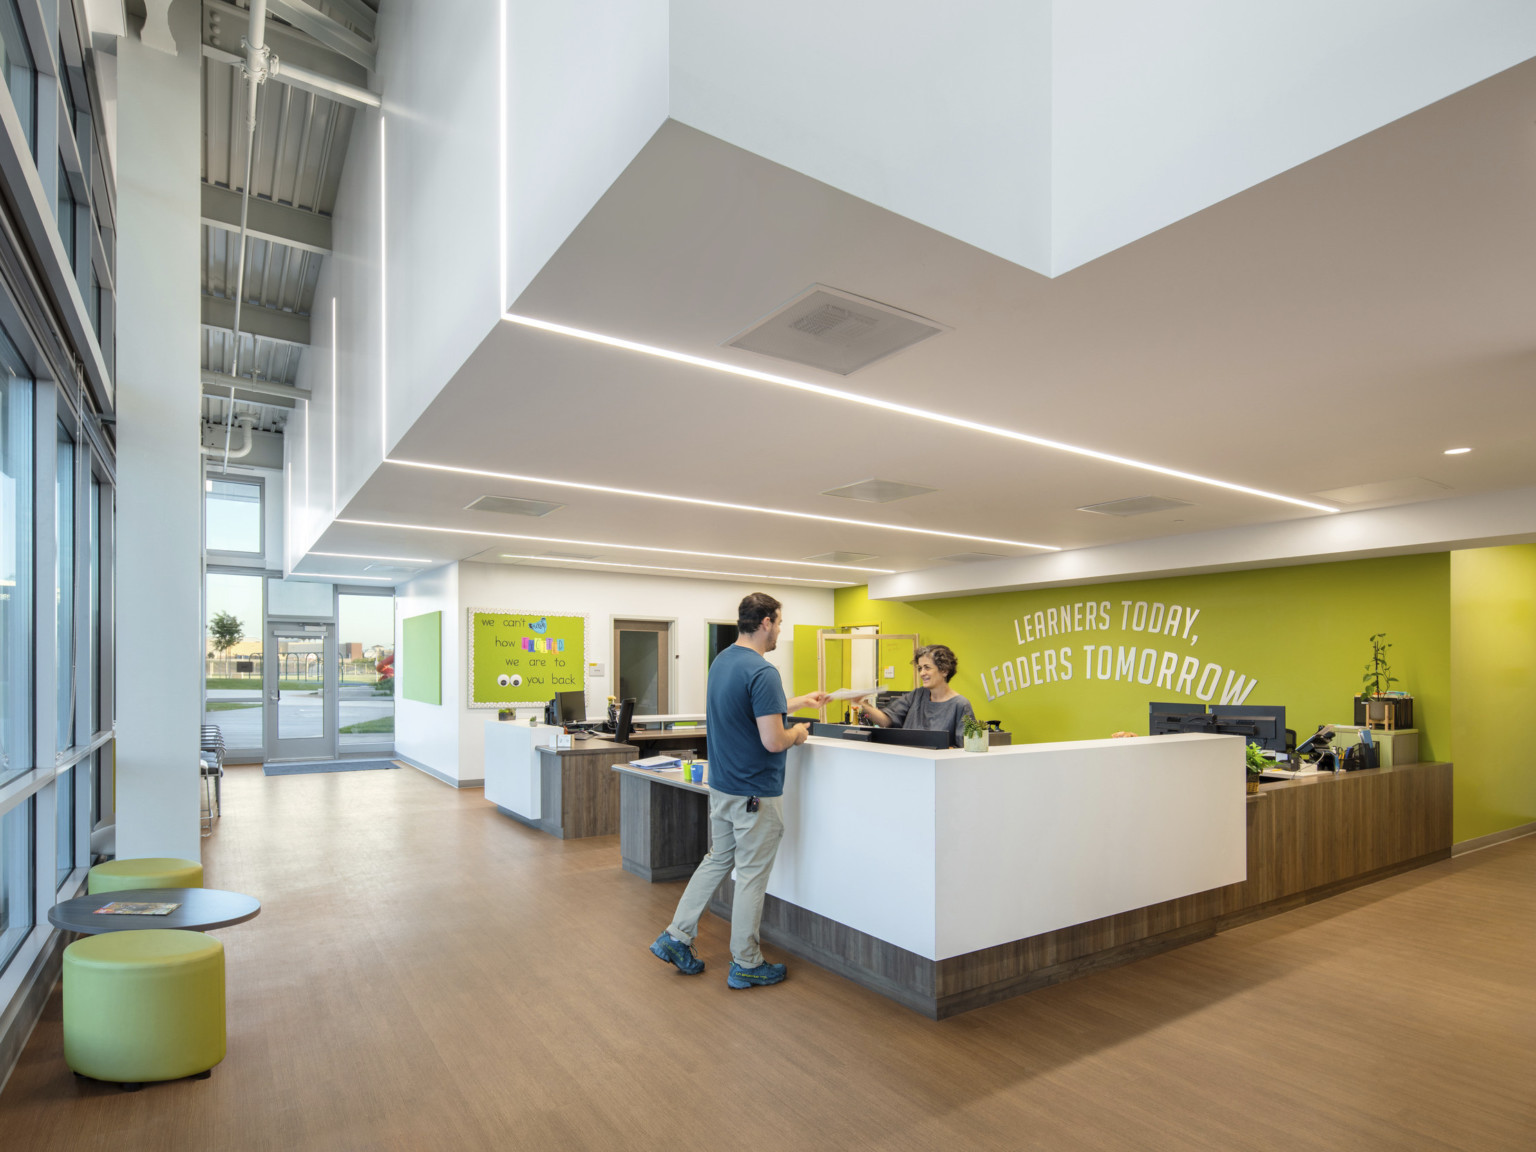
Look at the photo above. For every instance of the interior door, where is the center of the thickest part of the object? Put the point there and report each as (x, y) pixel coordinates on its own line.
(299, 679)
(642, 658)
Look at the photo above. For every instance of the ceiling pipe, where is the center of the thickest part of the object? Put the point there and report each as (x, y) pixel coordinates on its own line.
(247, 423)
(256, 71)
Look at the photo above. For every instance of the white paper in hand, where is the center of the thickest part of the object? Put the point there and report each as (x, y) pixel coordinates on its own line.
(853, 693)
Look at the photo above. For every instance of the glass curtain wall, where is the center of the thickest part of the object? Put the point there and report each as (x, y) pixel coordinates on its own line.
(56, 477)
(233, 655)
(365, 655)
(15, 577)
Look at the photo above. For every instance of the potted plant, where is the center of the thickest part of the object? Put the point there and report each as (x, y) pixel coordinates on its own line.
(976, 739)
(1257, 762)
(1377, 703)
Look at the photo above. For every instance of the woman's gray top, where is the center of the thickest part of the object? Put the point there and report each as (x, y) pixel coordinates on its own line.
(917, 710)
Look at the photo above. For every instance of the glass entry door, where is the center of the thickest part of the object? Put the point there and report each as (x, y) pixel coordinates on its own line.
(299, 678)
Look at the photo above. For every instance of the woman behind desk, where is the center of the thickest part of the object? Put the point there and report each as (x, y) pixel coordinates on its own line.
(935, 707)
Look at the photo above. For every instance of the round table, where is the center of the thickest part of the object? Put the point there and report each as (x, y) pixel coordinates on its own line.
(201, 909)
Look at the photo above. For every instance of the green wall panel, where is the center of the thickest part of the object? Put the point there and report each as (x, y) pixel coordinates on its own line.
(1493, 678)
(521, 658)
(1296, 636)
(422, 661)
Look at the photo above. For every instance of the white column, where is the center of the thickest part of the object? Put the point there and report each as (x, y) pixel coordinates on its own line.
(159, 531)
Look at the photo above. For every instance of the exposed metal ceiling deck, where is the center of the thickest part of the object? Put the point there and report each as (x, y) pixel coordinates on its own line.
(299, 153)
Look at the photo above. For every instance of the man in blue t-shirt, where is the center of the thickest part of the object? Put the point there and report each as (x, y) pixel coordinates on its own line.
(744, 716)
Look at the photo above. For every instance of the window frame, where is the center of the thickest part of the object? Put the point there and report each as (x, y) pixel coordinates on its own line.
(216, 555)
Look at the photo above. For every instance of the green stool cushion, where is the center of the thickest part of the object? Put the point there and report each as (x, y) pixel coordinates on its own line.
(150, 872)
(142, 1006)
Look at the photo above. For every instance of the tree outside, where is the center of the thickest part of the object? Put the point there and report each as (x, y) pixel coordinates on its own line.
(225, 631)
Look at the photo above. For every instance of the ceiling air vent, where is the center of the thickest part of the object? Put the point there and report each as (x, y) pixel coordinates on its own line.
(1137, 506)
(877, 491)
(835, 331)
(840, 558)
(970, 557)
(510, 506)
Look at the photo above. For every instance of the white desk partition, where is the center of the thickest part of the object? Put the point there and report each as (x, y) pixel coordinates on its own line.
(946, 852)
(512, 765)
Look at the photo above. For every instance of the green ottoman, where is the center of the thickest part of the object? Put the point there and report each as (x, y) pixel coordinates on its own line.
(141, 1006)
(151, 872)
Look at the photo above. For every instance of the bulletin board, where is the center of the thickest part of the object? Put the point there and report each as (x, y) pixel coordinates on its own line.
(422, 663)
(524, 657)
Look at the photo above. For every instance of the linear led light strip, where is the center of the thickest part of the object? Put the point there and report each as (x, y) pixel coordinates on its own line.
(903, 409)
(359, 556)
(605, 544)
(665, 568)
(343, 579)
(723, 504)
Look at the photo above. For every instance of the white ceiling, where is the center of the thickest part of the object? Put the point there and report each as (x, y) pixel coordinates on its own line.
(1339, 325)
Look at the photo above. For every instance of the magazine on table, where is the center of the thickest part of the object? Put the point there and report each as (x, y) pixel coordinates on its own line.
(135, 908)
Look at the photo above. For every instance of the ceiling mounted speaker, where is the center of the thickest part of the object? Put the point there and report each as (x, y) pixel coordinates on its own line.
(877, 491)
(511, 506)
(1136, 506)
(835, 331)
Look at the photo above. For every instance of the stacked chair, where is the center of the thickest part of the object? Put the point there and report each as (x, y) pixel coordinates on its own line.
(211, 757)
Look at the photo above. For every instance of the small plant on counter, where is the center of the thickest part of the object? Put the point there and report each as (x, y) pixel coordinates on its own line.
(974, 727)
(1257, 761)
(1378, 677)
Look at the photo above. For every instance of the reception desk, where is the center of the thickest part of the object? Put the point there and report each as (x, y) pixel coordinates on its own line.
(949, 880)
(567, 792)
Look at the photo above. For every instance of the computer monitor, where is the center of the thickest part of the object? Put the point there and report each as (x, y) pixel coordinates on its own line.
(624, 721)
(1261, 724)
(571, 707)
(1161, 723)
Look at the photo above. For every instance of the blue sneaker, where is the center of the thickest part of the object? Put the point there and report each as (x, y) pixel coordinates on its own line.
(764, 973)
(676, 952)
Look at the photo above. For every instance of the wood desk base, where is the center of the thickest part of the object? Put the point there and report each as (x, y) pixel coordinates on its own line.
(663, 829)
(580, 796)
(1307, 840)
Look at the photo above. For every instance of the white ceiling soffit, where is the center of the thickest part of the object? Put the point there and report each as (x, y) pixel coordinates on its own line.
(835, 331)
(1051, 132)
(1436, 526)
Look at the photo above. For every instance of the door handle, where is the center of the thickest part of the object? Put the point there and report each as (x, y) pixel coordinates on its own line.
(274, 696)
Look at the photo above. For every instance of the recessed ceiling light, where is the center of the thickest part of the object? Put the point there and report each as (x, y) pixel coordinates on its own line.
(605, 544)
(665, 568)
(1457, 451)
(360, 556)
(713, 504)
(901, 409)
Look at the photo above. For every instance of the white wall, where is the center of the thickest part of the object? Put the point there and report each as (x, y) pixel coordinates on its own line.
(417, 250)
(159, 467)
(451, 739)
(1160, 110)
(429, 733)
(1051, 132)
(939, 112)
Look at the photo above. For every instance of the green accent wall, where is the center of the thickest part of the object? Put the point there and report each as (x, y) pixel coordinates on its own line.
(421, 661)
(1301, 633)
(1493, 679)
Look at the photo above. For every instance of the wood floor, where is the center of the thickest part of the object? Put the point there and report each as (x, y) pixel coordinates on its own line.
(428, 974)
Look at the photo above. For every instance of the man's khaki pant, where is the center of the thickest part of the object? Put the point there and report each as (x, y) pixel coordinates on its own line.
(748, 842)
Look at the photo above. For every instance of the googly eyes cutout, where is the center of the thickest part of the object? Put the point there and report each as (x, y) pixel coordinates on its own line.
(517, 681)
(503, 679)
